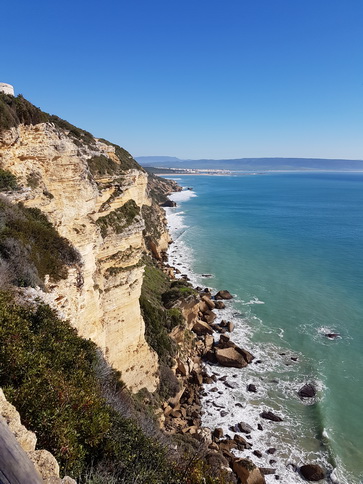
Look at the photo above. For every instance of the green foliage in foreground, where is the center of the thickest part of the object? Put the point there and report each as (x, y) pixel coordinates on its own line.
(53, 378)
(30, 247)
(49, 374)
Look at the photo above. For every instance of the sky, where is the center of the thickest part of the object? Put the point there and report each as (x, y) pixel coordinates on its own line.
(195, 79)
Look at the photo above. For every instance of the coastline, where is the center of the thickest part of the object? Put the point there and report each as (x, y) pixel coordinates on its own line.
(228, 398)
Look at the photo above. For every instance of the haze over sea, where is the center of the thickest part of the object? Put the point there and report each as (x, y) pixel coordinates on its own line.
(289, 247)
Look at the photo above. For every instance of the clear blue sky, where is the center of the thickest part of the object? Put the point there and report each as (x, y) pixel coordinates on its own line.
(195, 79)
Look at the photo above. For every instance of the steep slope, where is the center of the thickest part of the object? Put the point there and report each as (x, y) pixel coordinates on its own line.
(93, 192)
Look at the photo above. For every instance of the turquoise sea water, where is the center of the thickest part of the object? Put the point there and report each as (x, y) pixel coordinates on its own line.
(289, 247)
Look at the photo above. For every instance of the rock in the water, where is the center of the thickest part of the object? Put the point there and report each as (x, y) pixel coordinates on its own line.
(312, 472)
(332, 335)
(169, 203)
(230, 357)
(266, 471)
(219, 305)
(271, 416)
(230, 326)
(251, 388)
(223, 295)
(247, 472)
(307, 391)
(245, 428)
(271, 450)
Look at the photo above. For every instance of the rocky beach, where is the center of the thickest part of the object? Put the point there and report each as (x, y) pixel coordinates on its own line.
(228, 383)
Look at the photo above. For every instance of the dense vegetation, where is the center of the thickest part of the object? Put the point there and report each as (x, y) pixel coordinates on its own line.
(119, 219)
(50, 375)
(159, 321)
(7, 180)
(30, 247)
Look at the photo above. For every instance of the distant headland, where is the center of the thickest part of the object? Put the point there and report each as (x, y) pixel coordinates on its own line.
(254, 164)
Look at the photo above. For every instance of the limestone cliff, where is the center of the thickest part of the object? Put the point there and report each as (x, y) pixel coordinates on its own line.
(95, 195)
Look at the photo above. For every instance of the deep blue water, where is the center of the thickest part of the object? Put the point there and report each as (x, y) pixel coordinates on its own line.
(293, 241)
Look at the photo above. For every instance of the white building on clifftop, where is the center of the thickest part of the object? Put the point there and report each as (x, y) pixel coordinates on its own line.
(6, 88)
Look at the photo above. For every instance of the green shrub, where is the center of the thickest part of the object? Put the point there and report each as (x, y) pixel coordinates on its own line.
(7, 180)
(102, 165)
(31, 245)
(172, 295)
(119, 219)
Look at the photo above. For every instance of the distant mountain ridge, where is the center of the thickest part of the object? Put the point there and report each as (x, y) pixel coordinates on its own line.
(301, 164)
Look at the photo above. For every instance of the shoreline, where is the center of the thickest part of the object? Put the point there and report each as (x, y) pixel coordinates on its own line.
(215, 412)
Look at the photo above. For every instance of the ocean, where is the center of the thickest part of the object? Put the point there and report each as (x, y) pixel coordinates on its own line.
(288, 246)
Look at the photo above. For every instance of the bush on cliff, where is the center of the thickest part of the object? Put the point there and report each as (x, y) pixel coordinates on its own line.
(119, 219)
(7, 180)
(31, 247)
(49, 374)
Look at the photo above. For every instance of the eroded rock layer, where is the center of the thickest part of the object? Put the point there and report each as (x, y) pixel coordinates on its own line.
(96, 199)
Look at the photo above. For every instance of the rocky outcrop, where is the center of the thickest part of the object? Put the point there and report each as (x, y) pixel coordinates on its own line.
(247, 472)
(312, 472)
(307, 391)
(89, 207)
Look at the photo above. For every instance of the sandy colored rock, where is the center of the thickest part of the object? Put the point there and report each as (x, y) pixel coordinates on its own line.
(210, 304)
(45, 463)
(100, 297)
(26, 438)
(201, 327)
(247, 472)
(223, 295)
(230, 357)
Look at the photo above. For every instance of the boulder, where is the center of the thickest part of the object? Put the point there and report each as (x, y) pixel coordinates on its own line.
(241, 442)
(230, 326)
(218, 433)
(271, 416)
(251, 388)
(169, 203)
(201, 328)
(182, 367)
(209, 316)
(45, 463)
(267, 471)
(332, 335)
(271, 450)
(247, 472)
(219, 305)
(208, 341)
(223, 295)
(210, 304)
(244, 427)
(312, 472)
(307, 391)
(230, 357)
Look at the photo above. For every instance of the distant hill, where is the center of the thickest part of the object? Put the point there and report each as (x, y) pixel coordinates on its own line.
(253, 164)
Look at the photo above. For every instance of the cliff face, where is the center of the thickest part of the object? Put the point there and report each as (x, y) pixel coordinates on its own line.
(96, 199)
